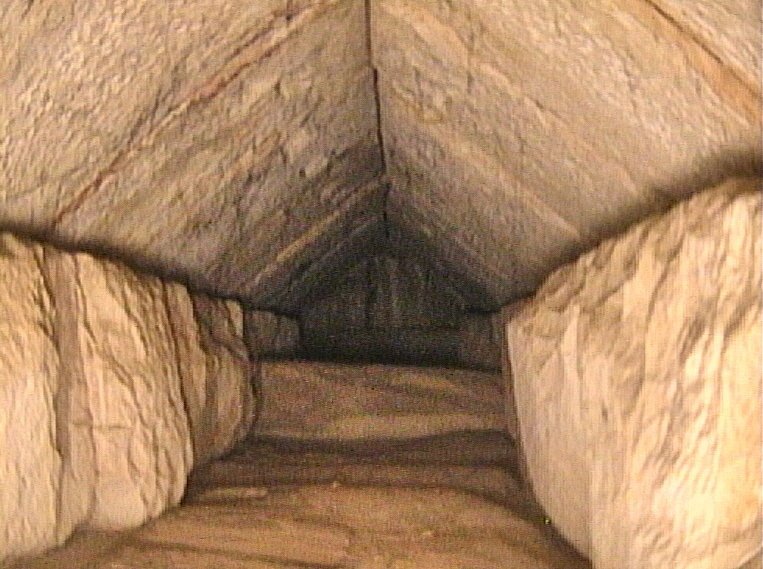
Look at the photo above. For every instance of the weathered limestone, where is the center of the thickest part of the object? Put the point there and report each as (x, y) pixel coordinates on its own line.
(112, 385)
(147, 130)
(270, 335)
(518, 134)
(334, 402)
(215, 369)
(637, 372)
(480, 462)
(382, 293)
(30, 467)
(123, 413)
(480, 341)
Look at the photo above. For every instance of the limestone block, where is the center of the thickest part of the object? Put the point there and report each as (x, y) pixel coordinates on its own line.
(215, 370)
(228, 408)
(30, 465)
(106, 378)
(379, 294)
(336, 526)
(637, 372)
(270, 335)
(647, 101)
(124, 392)
(261, 107)
(334, 402)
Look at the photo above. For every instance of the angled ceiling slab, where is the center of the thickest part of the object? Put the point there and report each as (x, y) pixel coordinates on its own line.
(222, 143)
(242, 146)
(517, 135)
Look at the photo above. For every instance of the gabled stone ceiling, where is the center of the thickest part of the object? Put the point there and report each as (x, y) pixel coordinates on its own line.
(254, 149)
(518, 134)
(232, 144)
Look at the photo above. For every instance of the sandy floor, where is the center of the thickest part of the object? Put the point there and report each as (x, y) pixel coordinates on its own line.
(442, 503)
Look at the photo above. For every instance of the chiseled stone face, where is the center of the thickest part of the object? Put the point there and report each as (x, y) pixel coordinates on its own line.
(637, 372)
(519, 134)
(30, 466)
(202, 138)
(133, 402)
(100, 374)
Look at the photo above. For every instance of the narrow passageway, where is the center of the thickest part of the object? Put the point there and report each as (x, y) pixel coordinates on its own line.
(410, 468)
(381, 284)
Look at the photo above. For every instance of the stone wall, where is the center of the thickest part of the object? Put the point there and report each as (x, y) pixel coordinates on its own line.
(518, 134)
(113, 385)
(397, 310)
(637, 378)
(329, 402)
(222, 142)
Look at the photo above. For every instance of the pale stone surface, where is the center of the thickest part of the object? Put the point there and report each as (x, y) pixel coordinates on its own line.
(101, 368)
(30, 466)
(519, 134)
(216, 372)
(237, 145)
(323, 401)
(637, 373)
(229, 143)
(126, 403)
(376, 506)
(270, 335)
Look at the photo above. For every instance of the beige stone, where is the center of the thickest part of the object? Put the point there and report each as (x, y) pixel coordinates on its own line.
(482, 463)
(323, 401)
(517, 134)
(113, 385)
(327, 526)
(224, 142)
(30, 465)
(637, 373)
(125, 399)
(229, 403)
(216, 373)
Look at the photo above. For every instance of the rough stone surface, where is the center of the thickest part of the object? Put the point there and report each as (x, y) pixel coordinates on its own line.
(379, 505)
(517, 135)
(637, 372)
(383, 293)
(126, 401)
(238, 145)
(480, 462)
(328, 526)
(30, 466)
(215, 369)
(322, 401)
(270, 335)
(481, 337)
(111, 381)
(227, 143)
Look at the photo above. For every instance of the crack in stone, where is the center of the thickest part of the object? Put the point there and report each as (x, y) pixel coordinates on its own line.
(240, 60)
